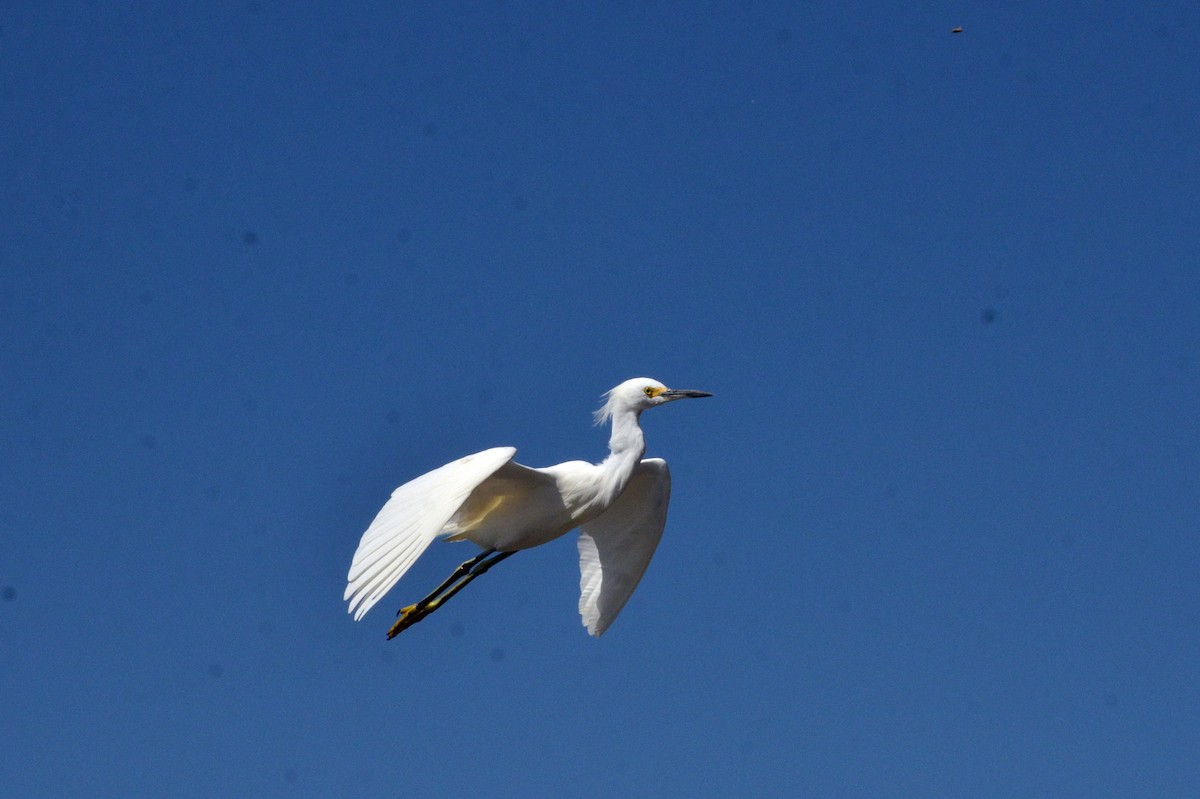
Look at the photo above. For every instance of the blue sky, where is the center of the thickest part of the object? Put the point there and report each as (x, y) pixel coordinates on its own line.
(935, 535)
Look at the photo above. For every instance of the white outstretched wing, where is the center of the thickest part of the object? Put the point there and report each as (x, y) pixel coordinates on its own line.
(615, 548)
(410, 521)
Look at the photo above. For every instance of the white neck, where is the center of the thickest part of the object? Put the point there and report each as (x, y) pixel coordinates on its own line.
(626, 447)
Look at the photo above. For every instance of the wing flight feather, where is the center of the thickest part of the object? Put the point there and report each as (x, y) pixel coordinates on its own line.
(615, 548)
(410, 521)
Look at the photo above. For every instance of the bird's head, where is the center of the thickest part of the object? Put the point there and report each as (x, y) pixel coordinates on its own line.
(638, 394)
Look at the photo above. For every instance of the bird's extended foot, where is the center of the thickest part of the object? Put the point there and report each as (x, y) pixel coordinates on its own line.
(408, 616)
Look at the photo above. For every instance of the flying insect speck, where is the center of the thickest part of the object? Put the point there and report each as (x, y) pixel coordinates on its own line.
(619, 506)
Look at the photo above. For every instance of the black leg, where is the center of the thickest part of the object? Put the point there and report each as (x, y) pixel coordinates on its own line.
(462, 570)
(457, 581)
(479, 569)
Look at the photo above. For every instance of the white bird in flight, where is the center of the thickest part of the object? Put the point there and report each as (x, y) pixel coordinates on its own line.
(619, 506)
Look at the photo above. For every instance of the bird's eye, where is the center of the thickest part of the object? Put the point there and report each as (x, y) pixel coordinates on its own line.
(648, 391)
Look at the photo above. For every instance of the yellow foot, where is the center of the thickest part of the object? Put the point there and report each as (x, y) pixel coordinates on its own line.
(408, 617)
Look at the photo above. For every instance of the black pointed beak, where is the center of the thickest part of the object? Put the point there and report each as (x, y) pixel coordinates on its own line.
(679, 393)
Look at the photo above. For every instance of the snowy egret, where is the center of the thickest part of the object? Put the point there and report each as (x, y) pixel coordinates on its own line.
(619, 506)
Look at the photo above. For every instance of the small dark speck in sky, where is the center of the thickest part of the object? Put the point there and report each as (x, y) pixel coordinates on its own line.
(9, 593)
(988, 316)
(956, 30)
(249, 237)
